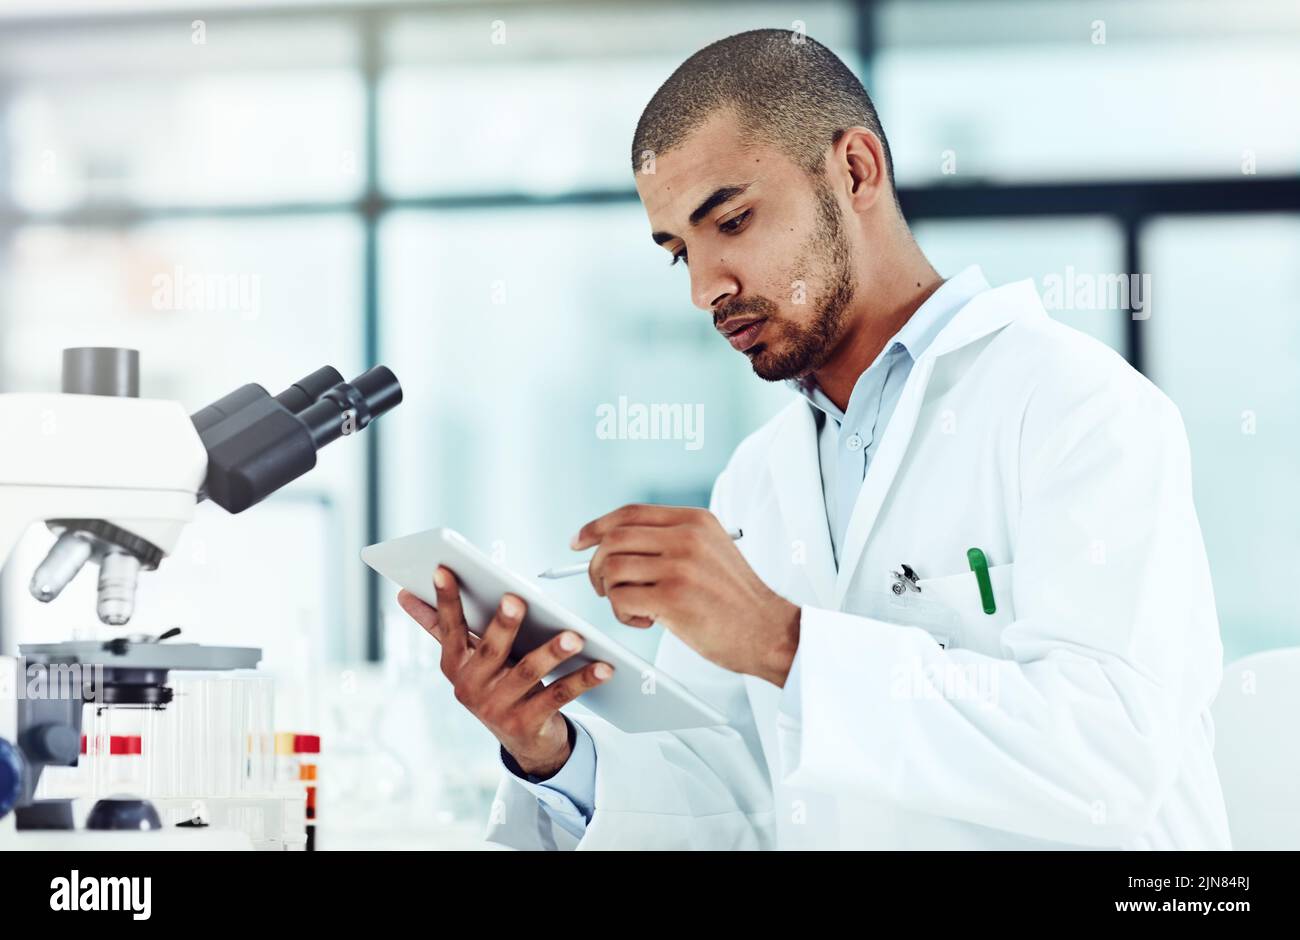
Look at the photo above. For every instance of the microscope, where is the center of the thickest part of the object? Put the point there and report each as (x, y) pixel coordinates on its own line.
(116, 477)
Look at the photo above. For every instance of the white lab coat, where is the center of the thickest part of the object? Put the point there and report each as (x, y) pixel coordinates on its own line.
(1077, 715)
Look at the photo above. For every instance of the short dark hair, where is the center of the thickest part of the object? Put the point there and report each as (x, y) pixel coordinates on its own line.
(786, 88)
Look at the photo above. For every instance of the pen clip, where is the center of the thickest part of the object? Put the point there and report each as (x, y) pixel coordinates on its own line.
(979, 564)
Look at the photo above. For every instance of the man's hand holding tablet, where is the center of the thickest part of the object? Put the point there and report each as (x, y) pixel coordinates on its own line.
(509, 700)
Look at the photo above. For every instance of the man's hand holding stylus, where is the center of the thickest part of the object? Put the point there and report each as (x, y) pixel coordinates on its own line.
(510, 701)
(679, 567)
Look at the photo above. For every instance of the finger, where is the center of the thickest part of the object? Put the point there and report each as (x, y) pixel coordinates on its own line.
(420, 612)
(633, 514)
(526, 675)
(542, 704)
(636, 605)
(450, 614)
(450, 664)
(624, 569)
(635, 539)
(546, 701)
(494, 645)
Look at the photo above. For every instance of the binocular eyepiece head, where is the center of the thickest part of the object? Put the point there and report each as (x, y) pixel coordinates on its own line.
(257, 442)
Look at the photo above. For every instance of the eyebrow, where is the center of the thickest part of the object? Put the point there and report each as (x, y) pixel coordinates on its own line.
(715, 199)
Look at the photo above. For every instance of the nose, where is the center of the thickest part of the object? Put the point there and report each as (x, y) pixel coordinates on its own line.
(711, 285)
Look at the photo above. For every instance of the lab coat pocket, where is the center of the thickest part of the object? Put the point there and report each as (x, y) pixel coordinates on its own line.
(976, 630)
(909, 609)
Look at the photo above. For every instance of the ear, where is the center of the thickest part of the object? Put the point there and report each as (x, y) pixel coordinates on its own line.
(858, 159)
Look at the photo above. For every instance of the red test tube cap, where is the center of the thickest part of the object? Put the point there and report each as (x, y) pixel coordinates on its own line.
(306, 743)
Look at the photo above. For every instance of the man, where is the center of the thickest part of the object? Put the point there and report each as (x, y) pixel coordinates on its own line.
(971, 607)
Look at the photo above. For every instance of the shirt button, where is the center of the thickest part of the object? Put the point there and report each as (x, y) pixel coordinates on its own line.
(854, 443)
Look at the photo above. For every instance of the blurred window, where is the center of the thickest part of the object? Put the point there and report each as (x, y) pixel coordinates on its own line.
(1223, 342)
(1053, 253)
(1086, 91)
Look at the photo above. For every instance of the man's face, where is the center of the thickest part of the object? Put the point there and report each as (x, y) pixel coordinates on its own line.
(764, 242)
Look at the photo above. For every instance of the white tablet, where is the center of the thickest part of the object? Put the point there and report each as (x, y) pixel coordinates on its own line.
(638, 697)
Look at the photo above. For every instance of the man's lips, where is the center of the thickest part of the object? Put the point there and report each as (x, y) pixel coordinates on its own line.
(743, 333)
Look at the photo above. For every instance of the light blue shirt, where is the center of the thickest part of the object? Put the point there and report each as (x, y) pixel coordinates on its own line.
(846, 443)
(568, 797)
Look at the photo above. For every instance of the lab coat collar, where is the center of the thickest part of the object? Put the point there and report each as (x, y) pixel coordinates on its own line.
(986, 313)
(915, 336)
(793, 458)
(924, 326)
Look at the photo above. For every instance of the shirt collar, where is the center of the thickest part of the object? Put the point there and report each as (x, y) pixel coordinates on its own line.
(916, 335)
(931, 317)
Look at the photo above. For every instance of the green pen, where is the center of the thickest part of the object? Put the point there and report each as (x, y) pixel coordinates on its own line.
(980, 565)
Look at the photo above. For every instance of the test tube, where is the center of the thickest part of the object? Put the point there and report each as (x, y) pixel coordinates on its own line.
(96, 746)
(119, 751)
(222, 738)
(160, 749)
(191, 757)
(259, 696)
(286, 762)
(307, 748)
(126, 769)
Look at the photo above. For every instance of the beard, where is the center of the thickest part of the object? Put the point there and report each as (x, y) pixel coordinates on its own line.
(800, 349)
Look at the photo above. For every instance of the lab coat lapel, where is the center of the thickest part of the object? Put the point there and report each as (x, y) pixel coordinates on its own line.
(796, 474)
(985, 313)
(881, 472)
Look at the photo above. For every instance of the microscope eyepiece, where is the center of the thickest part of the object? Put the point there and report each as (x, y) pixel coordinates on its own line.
(226, 406)
(307, 391)
(380, 387)
(257, 443)
(349, 407)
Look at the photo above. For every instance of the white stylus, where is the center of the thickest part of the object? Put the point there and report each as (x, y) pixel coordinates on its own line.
(569, 571)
